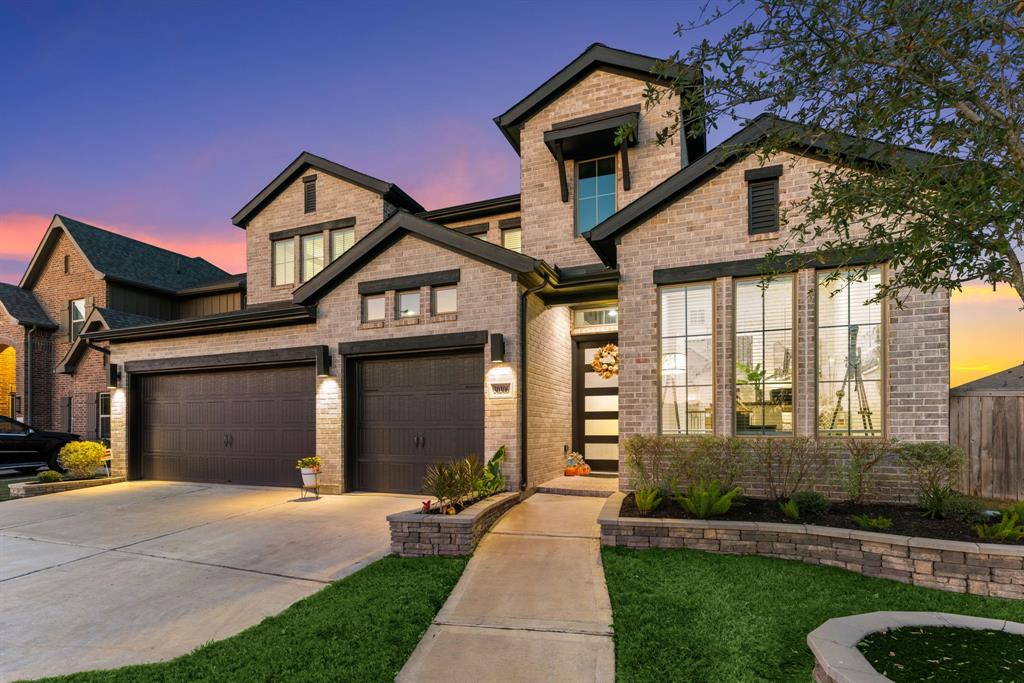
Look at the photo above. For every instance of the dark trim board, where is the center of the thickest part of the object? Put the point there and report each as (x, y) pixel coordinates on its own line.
(314, 228)
(296, 354)
(474, 229)
(427, 342)
(437, 278)
(759, 266)
(464, 212)
(245, 319)
(764, 173)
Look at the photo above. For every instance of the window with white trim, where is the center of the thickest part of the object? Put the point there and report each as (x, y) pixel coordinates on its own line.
(312, 255)
(341, 241)
(284, 262)
(687, 379)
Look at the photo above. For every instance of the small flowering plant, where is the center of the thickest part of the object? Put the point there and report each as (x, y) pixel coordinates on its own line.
(312, 463)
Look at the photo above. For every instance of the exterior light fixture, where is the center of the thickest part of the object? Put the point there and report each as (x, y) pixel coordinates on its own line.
(323, 361)
(113, 375)
(497, 348)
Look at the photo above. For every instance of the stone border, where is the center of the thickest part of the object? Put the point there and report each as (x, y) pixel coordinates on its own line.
(834, 643)
(414, 534)
(28, 489)
(957, 566)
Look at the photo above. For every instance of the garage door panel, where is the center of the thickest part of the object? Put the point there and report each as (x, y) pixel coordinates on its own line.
(437, 397)
(245, 426)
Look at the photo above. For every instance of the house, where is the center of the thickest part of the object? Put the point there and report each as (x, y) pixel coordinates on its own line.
(85, 279)
(384, 338)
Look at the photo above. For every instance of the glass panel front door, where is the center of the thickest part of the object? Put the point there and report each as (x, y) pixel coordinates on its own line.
(596, 406)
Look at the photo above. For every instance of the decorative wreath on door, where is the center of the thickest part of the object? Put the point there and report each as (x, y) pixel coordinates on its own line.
(606, 361)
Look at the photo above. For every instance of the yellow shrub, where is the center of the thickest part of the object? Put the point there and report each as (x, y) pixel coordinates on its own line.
(82, 458)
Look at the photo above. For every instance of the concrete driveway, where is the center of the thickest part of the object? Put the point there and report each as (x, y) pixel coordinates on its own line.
(145, 571)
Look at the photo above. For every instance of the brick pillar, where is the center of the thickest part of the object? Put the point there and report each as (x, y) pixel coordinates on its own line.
(118, 433)
(328, 433)
(805, 386)
(725, 363)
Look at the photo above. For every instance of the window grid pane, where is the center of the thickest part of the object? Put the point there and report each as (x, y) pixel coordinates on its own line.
(342, 241)
(445, 300)
(512, 239)
(595, 192)
(764, 356)
(284, 262)
(312, 255)
(408, 304)
(849, 355)
(373, 308)
(687, 360)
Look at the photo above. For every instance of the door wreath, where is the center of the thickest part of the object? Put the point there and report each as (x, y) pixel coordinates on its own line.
(606, 361)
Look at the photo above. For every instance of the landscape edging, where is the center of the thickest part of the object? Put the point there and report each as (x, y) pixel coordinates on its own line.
(414, 534)
(957, 566)
(29, 489)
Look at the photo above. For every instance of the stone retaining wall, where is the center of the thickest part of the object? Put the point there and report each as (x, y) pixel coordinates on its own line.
(414, 534)
(958, 566)
(29, 489)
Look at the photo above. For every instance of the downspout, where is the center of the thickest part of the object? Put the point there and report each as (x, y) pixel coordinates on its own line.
(522, 376)
(28, 374)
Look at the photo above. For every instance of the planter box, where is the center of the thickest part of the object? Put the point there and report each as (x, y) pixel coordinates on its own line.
(957, 566)
(414, 534)
(29, 489)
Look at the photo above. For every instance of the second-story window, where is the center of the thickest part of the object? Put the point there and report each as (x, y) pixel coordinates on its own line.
(446, 299)
(373, 308)
(284, 262)
(309, 194)
(341, 241)
(312, 255)
(407, 304)
(595, 192)
(512, 239)
(77, 317)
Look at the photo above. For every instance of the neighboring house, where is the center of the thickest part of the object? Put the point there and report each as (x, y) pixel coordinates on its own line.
(84, 279)
(384, 338)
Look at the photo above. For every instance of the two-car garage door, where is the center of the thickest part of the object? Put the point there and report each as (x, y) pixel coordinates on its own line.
(243, 426)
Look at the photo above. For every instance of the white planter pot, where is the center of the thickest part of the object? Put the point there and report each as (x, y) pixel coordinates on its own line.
(309, 476)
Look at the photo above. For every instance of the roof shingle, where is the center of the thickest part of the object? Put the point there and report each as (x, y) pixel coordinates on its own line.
(23, 306)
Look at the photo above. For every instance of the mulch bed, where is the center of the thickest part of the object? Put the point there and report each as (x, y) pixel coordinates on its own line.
(906, 519)
(945, 654)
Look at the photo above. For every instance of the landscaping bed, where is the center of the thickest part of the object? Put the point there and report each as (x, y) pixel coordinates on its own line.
(938, 653)
(907, 520)
(32, 488)
(362, 628)
(683, 615)
(418, 534)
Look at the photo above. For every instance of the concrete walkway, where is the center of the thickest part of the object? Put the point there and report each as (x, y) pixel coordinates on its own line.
(532, 604)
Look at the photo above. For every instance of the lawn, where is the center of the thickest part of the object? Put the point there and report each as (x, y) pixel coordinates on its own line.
(362, 628)
(685, 615)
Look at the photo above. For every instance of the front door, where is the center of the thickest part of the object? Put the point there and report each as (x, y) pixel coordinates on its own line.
(595, 406)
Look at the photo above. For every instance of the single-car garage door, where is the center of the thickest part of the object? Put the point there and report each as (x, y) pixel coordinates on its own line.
(412, 412)
(244, 426)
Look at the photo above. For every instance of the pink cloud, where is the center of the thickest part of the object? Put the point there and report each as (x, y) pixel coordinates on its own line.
(20, 234)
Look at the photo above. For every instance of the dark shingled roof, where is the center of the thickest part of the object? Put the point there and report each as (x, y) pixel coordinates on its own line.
(23, 306)
(115, 320)
(1008, 381)
(123, 258)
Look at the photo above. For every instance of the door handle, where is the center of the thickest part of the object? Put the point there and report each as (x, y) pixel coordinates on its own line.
(423, 440)
(231, 440)
(416, 441)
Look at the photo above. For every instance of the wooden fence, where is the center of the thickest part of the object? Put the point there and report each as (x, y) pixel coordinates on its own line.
(989, 427)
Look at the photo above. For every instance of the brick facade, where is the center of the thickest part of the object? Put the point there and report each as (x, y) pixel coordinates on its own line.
(549, 402)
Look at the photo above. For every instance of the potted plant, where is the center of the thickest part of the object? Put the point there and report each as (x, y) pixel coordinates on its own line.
(574, 465)
(310, 469)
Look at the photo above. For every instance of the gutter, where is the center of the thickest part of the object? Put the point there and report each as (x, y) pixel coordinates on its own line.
(522, 376)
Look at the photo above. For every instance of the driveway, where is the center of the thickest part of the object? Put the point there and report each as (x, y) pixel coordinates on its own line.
(145, 571)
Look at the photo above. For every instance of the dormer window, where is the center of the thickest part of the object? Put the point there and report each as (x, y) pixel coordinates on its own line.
(595, 192)
(309, 193)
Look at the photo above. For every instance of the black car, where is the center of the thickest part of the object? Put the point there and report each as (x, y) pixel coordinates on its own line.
(26, 450)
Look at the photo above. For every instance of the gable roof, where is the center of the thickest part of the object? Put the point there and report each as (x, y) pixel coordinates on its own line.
(603, 236)
(122, 259)
(22, 305)
(391, 192)
(597, 56)
(1009, 381)
(97, 320)
(478, 209)
(390, 231)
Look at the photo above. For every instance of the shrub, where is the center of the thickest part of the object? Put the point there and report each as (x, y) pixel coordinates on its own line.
(1007, 529)
(491, 479)
(452, 483)
(647, 461)
(647, 500)
(48, 477)
(81, 458)
(708, 458)
(789, 464)
(312, 462)
(811, 503)
(705, 499)
(880, 523)
(857, 472)
(790, 509)
(933, 468)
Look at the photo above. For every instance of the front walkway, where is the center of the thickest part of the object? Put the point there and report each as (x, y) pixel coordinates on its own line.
(532, 604)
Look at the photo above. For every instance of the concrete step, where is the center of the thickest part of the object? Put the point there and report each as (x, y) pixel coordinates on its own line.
(592, 486)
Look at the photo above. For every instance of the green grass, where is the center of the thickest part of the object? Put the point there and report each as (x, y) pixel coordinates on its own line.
(907, 655)
(362, 628)
(684, 615)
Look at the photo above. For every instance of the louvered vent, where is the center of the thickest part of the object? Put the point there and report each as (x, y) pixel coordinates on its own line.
(309, 195)
(763, 198)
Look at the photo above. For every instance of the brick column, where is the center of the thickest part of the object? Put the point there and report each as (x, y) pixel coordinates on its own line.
(725, 362)
(804, 385)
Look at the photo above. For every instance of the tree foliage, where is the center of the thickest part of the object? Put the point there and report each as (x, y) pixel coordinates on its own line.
(940, 77)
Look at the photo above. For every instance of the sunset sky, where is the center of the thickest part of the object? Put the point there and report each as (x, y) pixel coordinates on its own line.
(161, 120)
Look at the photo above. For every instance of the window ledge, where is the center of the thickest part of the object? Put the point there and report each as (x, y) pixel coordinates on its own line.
(372, 325)
(763, 236)
(444, 318)
(402, 322)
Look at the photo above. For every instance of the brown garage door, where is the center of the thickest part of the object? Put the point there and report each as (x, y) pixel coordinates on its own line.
(413, 412)
(245, 426)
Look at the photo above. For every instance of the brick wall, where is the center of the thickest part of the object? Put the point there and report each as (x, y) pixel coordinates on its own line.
(487, 300)
(548, 225)
(709, 225)
(335, 198)
(493, 234)
(8, 373)
(549, 402)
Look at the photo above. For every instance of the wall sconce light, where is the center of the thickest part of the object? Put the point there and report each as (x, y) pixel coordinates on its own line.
(497, 348)
(113, 375)
(323, 361)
